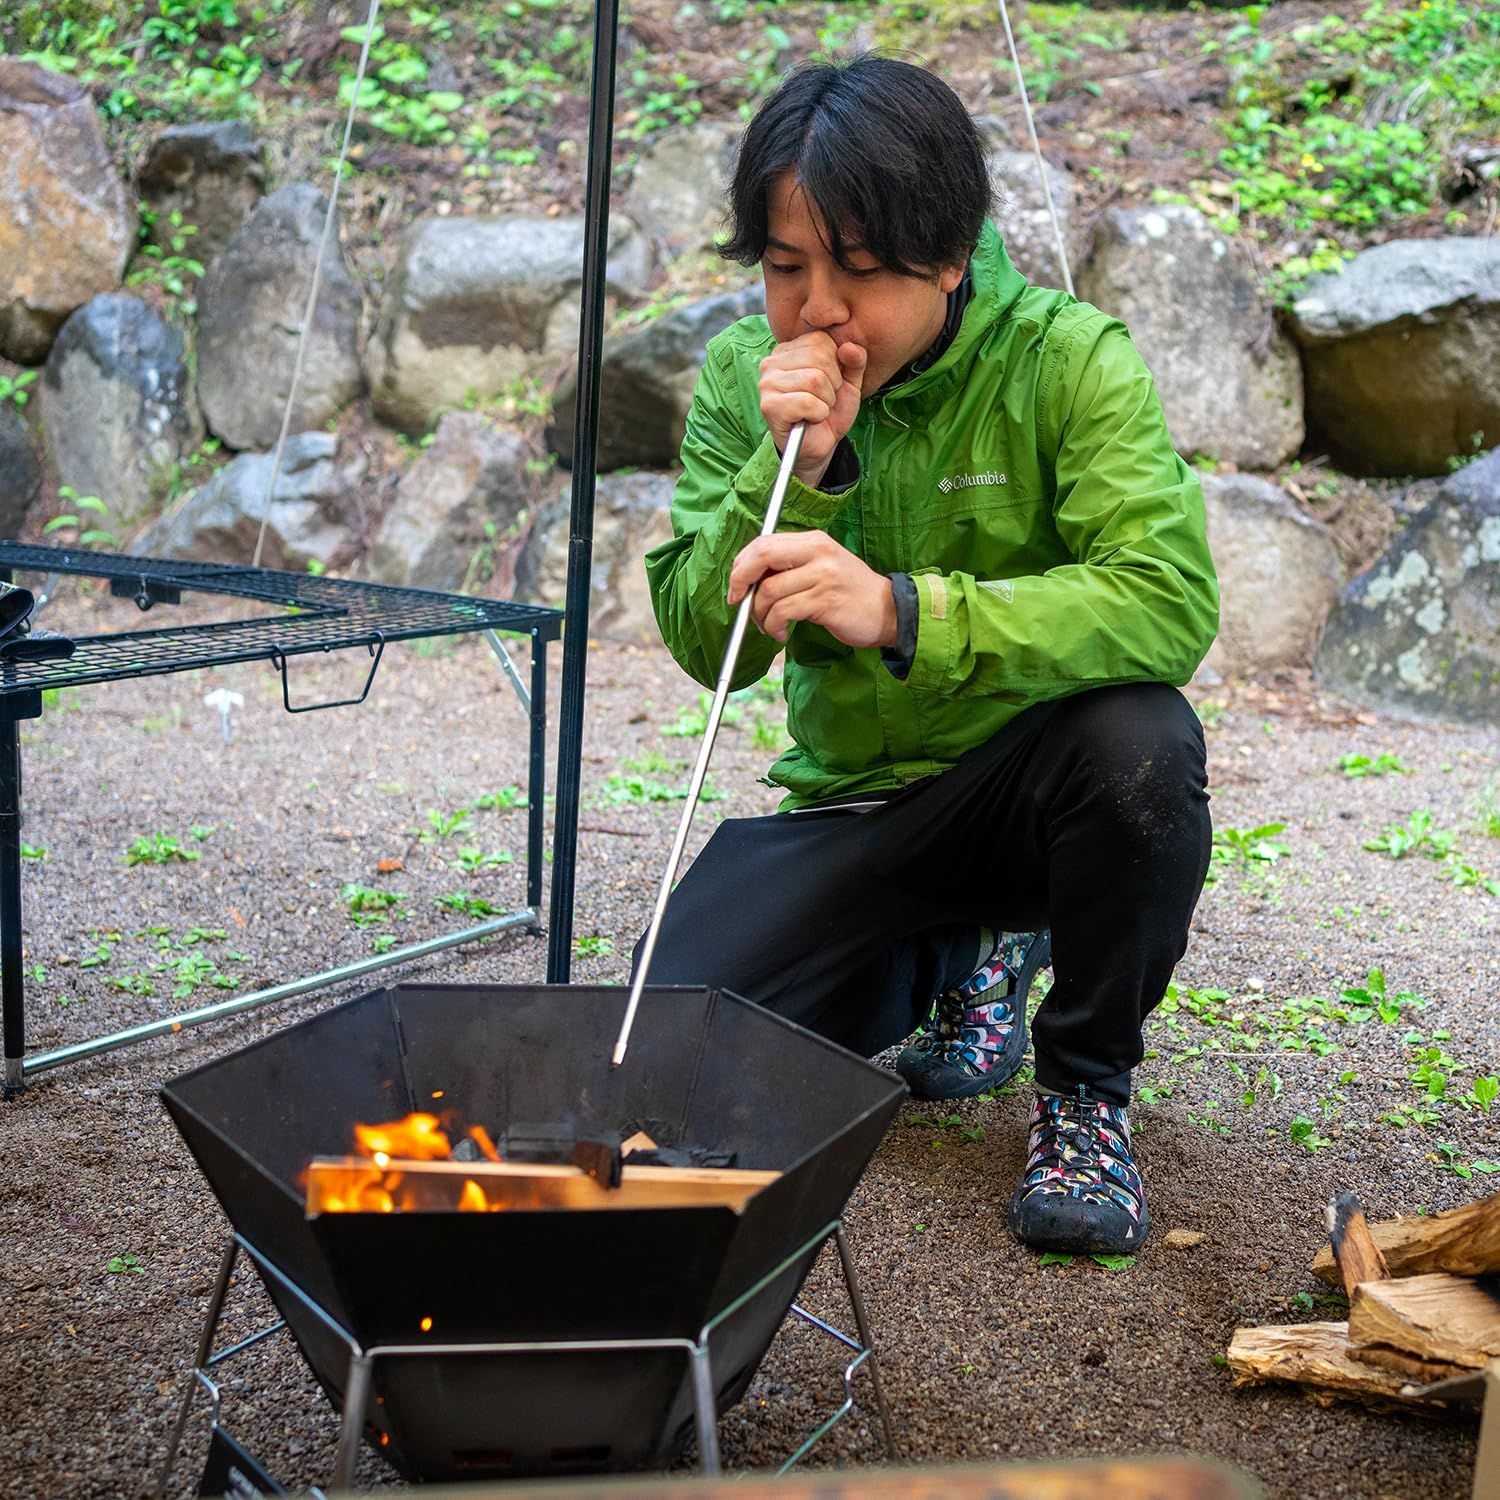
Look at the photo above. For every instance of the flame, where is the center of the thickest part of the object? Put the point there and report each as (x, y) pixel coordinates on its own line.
(381, 1187)
(362, 1190)
(419, 1137)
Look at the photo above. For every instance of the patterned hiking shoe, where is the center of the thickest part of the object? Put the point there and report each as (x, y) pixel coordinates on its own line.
(1082, 1191)
(976, 1036)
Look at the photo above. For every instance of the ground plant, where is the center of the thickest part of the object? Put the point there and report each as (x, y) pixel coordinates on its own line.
(160, 849)
(1343, 123)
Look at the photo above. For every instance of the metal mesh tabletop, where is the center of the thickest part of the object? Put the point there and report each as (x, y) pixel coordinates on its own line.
(303, 613)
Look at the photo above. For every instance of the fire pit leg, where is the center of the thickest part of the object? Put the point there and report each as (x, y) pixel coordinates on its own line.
(201, 1363)
(703, 1407)
(857, 1302)
(356, 1399)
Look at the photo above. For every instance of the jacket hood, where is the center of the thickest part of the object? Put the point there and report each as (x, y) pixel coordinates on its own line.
(998, 287)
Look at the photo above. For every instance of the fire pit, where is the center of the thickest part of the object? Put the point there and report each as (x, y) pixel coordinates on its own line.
(551, 1334)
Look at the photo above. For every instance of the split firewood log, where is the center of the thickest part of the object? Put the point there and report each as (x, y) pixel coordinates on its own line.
(1315, 1356)
(1354, 1248)
(1464, 1240)
(1426, 1327)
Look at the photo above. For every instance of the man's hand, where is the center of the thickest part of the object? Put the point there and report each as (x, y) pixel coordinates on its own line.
(806, 575)
(813, 380)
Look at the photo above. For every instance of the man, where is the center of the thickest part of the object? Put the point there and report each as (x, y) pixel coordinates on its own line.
(990, 572)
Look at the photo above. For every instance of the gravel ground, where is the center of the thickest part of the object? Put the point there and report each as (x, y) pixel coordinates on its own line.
(112, 1238)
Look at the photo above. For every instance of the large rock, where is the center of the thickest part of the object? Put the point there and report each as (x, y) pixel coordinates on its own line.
(1279, 574)
(1230, 382)
(677, 190)
(211, 174)
(67, 223)
(1402, 353)
(632, 514)
(250, 309)
(1021, 213)
(1419, 633)
(20, 470)
(476, 304)
(646, 384)
(463, 513)
(117, 403)
(314, 513)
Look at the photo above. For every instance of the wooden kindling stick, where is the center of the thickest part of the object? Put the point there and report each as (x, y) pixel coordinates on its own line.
(700, 768)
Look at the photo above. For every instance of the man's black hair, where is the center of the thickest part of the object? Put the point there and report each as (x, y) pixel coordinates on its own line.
(883, 150)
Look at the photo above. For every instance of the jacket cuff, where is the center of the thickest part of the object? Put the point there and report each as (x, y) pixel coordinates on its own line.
(934, 643)
(804, 508)
(898, 658)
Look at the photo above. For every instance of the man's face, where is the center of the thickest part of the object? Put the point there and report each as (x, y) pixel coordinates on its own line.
(894, 318)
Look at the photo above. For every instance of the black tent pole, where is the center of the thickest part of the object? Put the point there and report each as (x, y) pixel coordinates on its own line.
(581, 533)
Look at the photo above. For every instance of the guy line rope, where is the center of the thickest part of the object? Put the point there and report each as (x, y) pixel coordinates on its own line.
(317, 278)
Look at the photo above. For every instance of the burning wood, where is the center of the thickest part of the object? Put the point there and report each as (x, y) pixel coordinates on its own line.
(412, 1165)
(342, 1184)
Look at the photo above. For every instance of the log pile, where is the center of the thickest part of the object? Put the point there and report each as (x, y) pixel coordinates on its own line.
(1424, 1307)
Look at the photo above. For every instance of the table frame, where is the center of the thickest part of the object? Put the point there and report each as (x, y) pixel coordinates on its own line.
(297, 615)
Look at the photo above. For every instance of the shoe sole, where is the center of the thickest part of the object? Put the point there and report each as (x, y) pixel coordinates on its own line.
(967, 1085)
(1039, 1230)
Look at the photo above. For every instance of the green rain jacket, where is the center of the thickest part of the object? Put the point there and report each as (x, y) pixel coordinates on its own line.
(1027, 483)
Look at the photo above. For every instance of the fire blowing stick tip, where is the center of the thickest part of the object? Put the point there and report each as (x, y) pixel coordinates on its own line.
(721, 693)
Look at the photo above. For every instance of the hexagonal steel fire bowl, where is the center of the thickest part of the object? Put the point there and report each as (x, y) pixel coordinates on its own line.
(536, 1340)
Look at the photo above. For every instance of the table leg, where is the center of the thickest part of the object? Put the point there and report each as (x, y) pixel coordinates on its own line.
(536, 784)
(12, 984)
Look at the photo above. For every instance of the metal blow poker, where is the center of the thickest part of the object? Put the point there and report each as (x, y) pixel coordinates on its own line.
(700, 768)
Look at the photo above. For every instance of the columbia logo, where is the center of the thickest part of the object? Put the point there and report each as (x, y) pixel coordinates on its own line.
(947, 484)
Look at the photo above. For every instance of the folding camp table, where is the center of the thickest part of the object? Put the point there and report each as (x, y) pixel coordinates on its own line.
(291, 614)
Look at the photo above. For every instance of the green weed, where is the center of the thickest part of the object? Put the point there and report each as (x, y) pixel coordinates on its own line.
(470, 906)
(502, 801)
(471, 859)
(13, 388)
(1450, 1159)
(1246, 847)
(1489, 810)
(1109, 1262)
(1417, 835)
(446, 825)
(367, 906)
(1355, 765)
(639, 790)
(159, 849)
(1372, 999)
(73, 519)
(691, 722)
(1305, 1133)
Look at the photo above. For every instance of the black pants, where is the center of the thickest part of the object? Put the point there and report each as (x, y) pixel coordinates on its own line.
(1088, 815)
